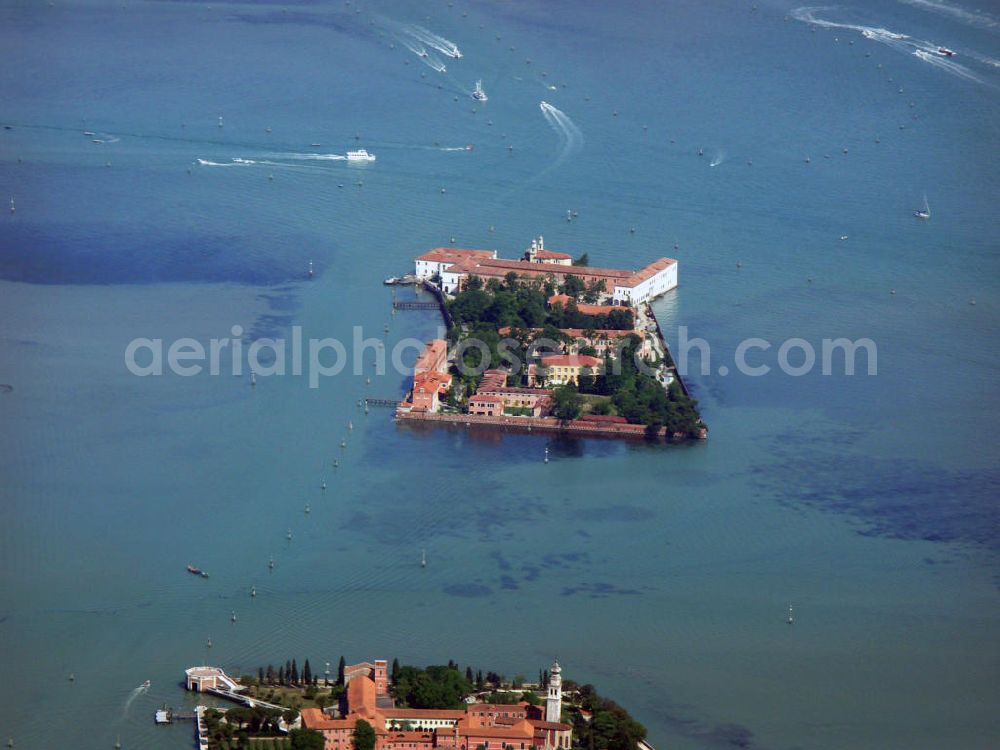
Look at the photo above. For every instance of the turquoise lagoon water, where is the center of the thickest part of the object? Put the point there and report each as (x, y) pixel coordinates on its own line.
(660, 574)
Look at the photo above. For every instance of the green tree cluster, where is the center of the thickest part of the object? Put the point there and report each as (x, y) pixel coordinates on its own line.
(433, 687)
(610, 727)
(641, 399)
(569, 316)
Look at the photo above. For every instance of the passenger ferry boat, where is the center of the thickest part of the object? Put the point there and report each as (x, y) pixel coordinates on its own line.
(360, 155)
(479, 95)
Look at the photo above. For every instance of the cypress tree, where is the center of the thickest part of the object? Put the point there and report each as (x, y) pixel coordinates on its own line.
(468, 674)
(281, 675)
(307, 676)
(260, 675)
(340, 671)
(270, 674)
(395, 670)
(295, 673)
(479, 679)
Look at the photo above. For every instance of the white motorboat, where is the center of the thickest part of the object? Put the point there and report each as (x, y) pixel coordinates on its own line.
(360, 155)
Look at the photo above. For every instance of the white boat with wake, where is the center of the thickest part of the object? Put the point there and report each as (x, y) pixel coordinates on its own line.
(360, 155)
(945, 52)
(479, 95)
(925, 212)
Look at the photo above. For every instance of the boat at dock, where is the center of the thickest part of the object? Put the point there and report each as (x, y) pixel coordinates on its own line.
(197, 571)
(360, 155)
(401, 280)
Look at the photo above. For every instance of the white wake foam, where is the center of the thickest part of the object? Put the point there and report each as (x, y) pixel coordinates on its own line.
(428, 58)
(309, 157)
(442, 45)
(207, 163)
(969, 17)
(945, 64)
(131, 697)
(569, 134)
(922, 49)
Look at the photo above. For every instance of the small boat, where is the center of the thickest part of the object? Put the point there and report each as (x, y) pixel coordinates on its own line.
(89, 132)
(925, 212)
(479, 95)
(391, 281)
(146, 685)
(945, 52)
(360, 155)
(315, 145)
(843, 237)
(197, 571)
(469, 146)
(791, 618)
(423, 558)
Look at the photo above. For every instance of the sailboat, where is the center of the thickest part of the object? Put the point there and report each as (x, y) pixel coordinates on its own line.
(925, 212)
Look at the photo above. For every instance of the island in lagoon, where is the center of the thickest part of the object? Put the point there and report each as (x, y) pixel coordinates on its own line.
(372, 706)
(548, 342)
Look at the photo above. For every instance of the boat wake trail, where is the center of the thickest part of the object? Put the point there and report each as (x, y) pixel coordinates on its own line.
(952, 67)
(309, 157)
(969, 17)
(720, 156)
(429, 59)
(442, 45)
(132, 696)
(570, 137)
(207, 163)
(921, 49)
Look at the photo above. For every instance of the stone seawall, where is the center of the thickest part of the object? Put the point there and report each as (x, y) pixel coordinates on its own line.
(533, 424)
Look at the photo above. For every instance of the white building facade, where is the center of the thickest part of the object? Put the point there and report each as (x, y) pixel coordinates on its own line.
(434, 262)
(650, 282)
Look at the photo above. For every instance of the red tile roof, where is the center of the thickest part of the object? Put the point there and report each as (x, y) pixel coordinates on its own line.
(564, 300)
(651, 270)
(571, 360)
(485, 399)
(453, 254)
(313, 718)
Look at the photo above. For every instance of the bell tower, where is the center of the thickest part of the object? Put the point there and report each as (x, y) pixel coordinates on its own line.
(553, 700)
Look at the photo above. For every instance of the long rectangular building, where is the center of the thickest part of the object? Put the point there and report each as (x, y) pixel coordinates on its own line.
(630, 287)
